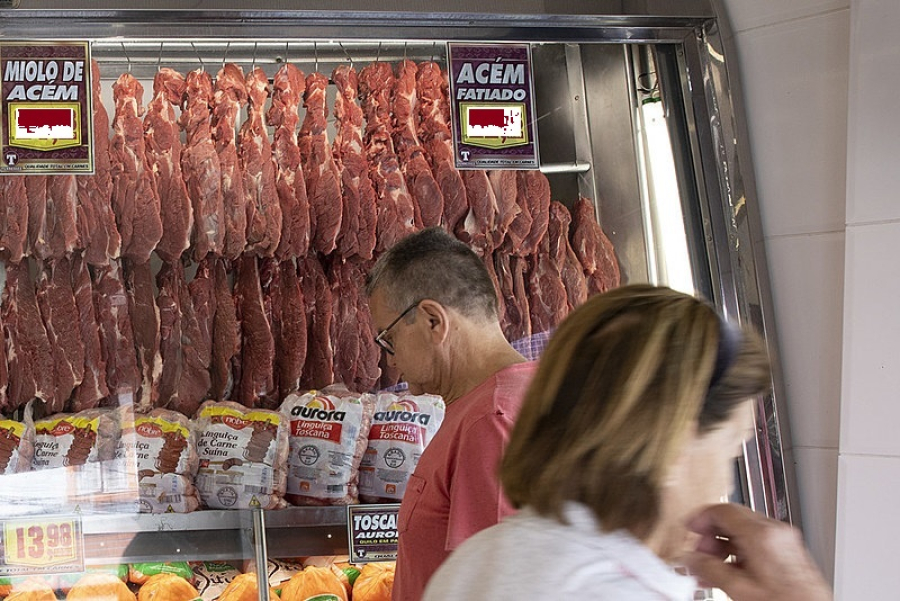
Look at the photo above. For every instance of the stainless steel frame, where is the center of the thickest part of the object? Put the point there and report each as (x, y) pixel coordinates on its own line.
(690, 44)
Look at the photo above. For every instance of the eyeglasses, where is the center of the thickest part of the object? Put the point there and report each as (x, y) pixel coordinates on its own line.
(386, 345)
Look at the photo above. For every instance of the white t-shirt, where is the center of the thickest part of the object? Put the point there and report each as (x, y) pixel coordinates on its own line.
(527, 556)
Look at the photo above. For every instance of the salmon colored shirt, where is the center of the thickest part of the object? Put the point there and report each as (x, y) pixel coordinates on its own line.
(454, 491)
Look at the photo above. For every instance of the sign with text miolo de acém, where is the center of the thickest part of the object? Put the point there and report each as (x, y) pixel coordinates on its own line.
(45, 105)
(492, 106)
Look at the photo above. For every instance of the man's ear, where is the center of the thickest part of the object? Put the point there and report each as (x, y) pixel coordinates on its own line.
(438, 319)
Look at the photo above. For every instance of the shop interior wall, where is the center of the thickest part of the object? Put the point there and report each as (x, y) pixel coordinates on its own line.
(794, 63)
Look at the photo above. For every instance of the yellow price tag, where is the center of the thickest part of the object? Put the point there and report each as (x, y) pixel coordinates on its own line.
(48, 544)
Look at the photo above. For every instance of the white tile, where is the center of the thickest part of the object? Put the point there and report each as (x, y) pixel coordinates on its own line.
(795, 91)
(873, 127)
(868, 528)
(746, 15)
(807, 279)
(817, 480)
(870, 410)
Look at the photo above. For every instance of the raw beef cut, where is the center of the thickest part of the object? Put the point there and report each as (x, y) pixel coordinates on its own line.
(257, 385)
(270, 284)
(562, 254)
(479, 227)
(145, 326)
(230, 96)
(36, 192)
(169, 280)
(425, 191)
(27, 348)
(290, 181)
(13, 218)
(593, 249)
(62, 205)
(503, 181)
(488, 261)
(323, 181)
(367, 370)
(226, 335)
(537, 194)
(116, 333)
(195, 300)
(510, 272)
(360, 218)
(345, 334)
(547, 297)
(201, 167)
(135, 199)
(292, 335)
(5, 407)
(162, 138)
(93, 384)
(434, 132)
(258, 166)
(59, 312)
(96, 221)
(520, 227)
(318, 371)
(396, 210)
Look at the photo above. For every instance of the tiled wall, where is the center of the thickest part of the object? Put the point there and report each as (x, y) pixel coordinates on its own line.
(794, 63)
(868, 530)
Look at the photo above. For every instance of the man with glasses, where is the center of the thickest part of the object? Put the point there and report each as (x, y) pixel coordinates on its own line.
(435, 310)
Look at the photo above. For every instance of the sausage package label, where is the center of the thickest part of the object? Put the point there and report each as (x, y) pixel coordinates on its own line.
(64, 440)
(242, 455)
(159, 444)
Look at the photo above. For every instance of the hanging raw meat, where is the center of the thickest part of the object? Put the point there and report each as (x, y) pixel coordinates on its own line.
(288, 88)
(13, 218)
(367, 370)
(27, 347)
(396, 211)
(93, 387)
(488, 260)
(197, 306)
(478, 228)
(318, 370)
(322, 177)
(230, 96)
(511, 274)
(62, 205)
(547, 297)
(345, 334)
(291, 339)
(135, 199)
(36, 191)
(257, 385)
(168, 301)
(270, 284)
(97, 230)
(263, 210)
(503, 181)
(425, 191)
(536, 190)
(434, 132)
(593, 249)
(226, 335)
(562, 254)
(201, 167)
(521, 225)
(5, 407)
(145, 326)
(360, 218)
(59, 312)
(162, 138)
(116, 333)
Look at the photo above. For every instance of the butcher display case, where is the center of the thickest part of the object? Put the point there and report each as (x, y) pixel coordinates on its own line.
(628, 119)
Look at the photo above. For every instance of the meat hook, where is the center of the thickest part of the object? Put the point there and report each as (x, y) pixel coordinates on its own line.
(199, 58)
(127, 58)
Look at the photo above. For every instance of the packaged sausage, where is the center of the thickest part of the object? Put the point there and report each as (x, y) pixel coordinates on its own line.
(328, 435)
(402, 427)
(17, 443)
(64, 440)
(243, 455)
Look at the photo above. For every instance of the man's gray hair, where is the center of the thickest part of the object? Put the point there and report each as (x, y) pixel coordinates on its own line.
(431, 264)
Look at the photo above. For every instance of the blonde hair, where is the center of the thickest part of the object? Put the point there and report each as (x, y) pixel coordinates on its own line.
(625, 379)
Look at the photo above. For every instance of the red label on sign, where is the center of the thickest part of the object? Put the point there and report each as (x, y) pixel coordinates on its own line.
(486, 117)
(32, 119)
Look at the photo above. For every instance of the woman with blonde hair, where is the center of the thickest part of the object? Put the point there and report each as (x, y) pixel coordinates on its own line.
(630, 427)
